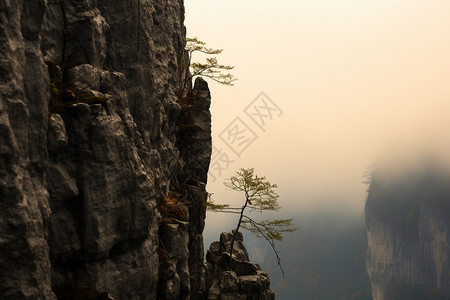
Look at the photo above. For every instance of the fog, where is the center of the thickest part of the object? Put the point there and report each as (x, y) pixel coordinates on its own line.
(353, 80)
(349, 85)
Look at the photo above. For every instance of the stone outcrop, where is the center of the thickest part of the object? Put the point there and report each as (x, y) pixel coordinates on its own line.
(89, 117)
(175, 276)
(238, 279)
(195, 144)
(408, 232)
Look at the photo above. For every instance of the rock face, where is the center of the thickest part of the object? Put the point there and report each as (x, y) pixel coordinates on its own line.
(103, 165)
(239, 280)
(195, 144)
(408, 231)
(25, 213)
(89, 119)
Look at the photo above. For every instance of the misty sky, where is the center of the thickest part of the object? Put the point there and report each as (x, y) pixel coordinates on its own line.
(353, 78)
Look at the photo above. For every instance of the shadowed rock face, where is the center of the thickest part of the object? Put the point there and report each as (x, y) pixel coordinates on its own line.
(25, 211)
(88, 122)
(195, 144)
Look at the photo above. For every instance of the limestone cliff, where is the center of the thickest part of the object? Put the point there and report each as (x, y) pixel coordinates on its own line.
(89, 119)
(408, 231)
(103, 165)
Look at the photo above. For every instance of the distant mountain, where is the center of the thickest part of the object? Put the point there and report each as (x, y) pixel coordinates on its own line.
(408, 229)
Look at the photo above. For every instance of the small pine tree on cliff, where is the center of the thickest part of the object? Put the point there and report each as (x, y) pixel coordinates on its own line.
(260, 196)
(209, 69)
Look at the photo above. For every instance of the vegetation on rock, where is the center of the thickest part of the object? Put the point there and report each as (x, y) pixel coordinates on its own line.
(259, 196)
(209, 69)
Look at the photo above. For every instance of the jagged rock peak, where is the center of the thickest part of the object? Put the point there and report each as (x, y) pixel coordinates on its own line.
(238, 278)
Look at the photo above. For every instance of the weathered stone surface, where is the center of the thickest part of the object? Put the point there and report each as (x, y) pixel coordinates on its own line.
(100, 167)
(197, 215)
(175, 239)
(52, 31)
(250, 283)
(229, 282)
(240, 279)
(124, 276)
(85, 31)
(214, 292)
(84, 77)
(57, 134)
(194, 133)
(239, 250)
(149, 51)
(64, 240)
(195, 144)
(230, 296)
(220, 248)
(169, 285)
(114, 213)
(25, 212)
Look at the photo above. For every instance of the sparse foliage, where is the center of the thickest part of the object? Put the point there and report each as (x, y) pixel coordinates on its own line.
(259, 196)
(209, 69)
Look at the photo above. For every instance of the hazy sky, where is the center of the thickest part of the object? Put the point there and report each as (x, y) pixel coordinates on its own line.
(353, 78)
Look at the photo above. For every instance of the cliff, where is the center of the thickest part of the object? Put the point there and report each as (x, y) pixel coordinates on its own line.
(89, 118)
(103, 162)
(408, 232)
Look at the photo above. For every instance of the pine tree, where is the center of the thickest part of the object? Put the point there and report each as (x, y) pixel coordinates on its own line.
(209, 69)
(259, 196)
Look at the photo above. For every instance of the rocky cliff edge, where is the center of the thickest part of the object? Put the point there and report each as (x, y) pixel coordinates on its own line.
(102, 168)
(89, 117)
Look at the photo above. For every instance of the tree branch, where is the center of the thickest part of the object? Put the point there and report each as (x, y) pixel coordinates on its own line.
(269, 240)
